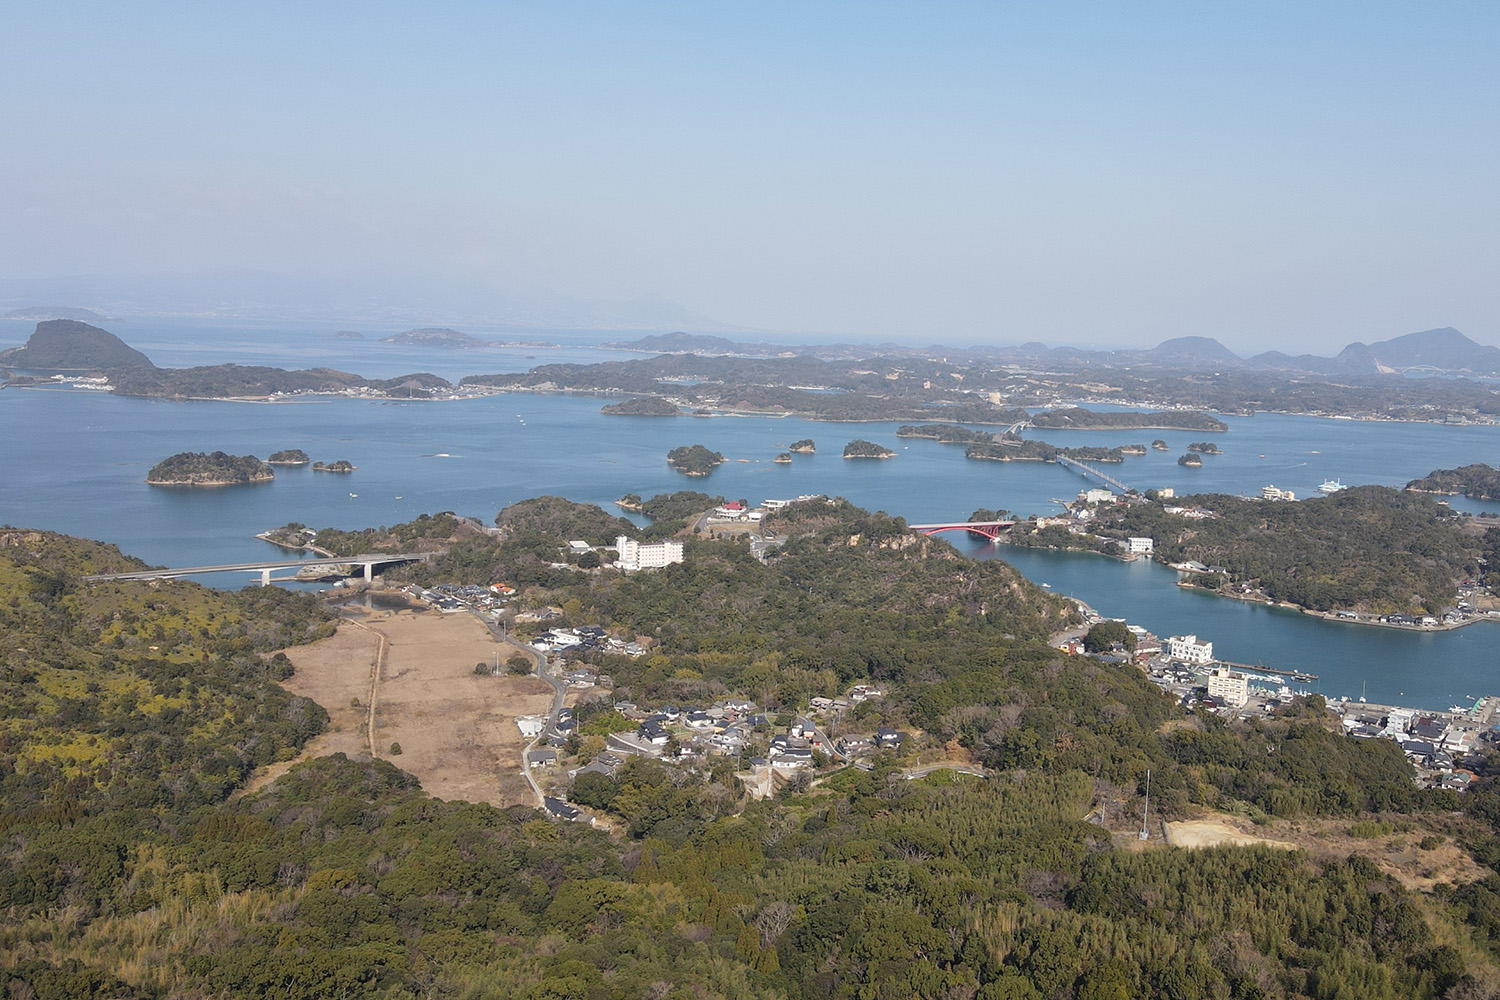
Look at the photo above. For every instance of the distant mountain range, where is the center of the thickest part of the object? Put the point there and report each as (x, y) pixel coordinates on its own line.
(1445, 350)
(36, 314)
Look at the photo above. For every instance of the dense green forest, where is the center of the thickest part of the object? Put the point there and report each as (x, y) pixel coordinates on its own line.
(132, 712)
(288, 456)
(860, 448)
(1078, 418)
(641, 406)
(197, 468)
(1369, 548)
(1479, 481)
(694, 459)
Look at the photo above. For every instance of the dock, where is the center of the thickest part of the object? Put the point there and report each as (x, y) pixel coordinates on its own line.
(1258, 668)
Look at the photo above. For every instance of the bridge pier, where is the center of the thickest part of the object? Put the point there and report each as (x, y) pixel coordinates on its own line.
(265, 578)
(369, 572)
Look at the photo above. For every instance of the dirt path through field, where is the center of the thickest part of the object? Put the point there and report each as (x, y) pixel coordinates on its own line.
(406, 679)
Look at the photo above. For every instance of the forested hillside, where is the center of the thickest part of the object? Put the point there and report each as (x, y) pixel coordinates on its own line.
(130, 712)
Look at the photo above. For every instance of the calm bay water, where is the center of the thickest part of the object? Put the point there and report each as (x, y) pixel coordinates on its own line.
(76, 462)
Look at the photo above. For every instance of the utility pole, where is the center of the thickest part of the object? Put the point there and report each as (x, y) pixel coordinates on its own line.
(1146, 810)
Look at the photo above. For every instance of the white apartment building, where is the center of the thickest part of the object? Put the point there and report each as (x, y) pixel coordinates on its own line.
(1140, 546)
(634, 555)
(1229, 687)
(1188, 649)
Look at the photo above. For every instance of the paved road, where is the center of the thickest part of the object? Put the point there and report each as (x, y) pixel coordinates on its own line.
(559, 690)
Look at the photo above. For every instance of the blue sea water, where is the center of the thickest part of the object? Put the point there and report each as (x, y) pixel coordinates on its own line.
(76, 462)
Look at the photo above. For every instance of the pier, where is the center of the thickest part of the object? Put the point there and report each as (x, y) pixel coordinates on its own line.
(1256, 668)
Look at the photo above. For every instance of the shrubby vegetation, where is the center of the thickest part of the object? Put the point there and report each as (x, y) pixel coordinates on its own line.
(642, 406)
(1078, 417)
(860, 448)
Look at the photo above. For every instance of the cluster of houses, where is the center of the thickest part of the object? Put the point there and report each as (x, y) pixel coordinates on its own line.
(1435, 744)
(451, 598)
(584, 639)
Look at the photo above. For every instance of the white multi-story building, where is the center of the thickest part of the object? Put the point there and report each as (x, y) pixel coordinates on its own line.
(1096, 496)
(1140, 546)
(1188, 649)
(634, 555)
(1229, 687)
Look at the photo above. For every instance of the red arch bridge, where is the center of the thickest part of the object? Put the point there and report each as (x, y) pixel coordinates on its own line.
(989, 529)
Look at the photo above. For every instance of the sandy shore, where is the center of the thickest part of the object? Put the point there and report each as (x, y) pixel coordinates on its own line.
(456, 729)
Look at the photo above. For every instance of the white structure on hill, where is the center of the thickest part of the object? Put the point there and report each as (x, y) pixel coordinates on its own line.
(634, 555)
(1188, 649)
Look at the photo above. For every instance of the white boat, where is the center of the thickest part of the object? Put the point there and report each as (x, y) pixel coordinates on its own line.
(1331, 486)
(353, 495)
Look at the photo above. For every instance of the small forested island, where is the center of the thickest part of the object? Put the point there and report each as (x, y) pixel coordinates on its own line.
(642, 406)
(435, 337)
(803, 447)
(349, 335)
(1161, 445)
(1133, 449)
(860, 448)
(1191, 460)
(1078, 417)
(785, 458)
(630, 502)
(1090, 453)
(1009, 448)
(197, 468)
(946, 433)
(288, 456)
(694, 459)
(342, 465)
(1480, 481)
(1205, 448)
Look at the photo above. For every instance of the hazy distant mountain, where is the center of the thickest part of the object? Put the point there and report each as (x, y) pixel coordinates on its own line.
(1203, 350)
(438, 336)
(36, 314)
(1443, 348)
(70, 345)
(695, 343)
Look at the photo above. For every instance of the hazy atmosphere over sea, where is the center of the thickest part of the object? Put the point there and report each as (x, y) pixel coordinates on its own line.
(1280, 175)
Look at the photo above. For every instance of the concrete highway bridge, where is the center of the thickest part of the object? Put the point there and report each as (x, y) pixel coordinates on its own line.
(368, 562)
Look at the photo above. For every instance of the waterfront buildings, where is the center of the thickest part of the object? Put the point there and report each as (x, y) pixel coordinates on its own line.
(1229, 687)
(1188, 649)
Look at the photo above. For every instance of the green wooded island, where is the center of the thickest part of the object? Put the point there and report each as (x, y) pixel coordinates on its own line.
(694, 459)
(803, 447)
(197, 468)
(288, 456)
(342, 465)
(860, 448)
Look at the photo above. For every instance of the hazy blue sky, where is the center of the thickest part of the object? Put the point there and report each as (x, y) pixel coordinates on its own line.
(1294, 175)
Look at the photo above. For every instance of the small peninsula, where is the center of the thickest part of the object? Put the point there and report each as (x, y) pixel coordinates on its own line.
(342, 465)
(196, 468)
(860, 448)
(641, 406)
(694, 460)
(1480, 481)
(288, 456)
